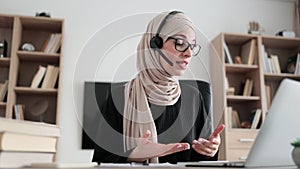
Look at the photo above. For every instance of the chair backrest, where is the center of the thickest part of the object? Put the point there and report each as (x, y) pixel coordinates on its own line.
(96, 95)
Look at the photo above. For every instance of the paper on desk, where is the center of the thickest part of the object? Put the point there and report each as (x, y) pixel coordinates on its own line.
(63, 165)
(116, 165)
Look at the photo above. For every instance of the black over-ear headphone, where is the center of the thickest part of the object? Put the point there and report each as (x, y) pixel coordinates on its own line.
(156, 41)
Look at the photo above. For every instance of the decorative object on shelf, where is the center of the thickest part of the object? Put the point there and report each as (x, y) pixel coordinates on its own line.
(296, 151)
(43, 14)
(238, 60)
(3, 49)
(39, 108)
(254, 28)
(285, 33)
(290, 64)
(28, 47)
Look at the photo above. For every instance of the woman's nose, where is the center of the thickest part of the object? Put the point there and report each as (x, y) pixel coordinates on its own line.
(188, 52)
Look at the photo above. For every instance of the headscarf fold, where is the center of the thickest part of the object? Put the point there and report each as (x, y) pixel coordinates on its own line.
(152, 84)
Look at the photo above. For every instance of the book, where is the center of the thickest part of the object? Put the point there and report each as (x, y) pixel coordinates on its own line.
(29, 127)
(38, 77)
(297, 67)
(271, 65)
(47, 77)
(53, 43)
(248, 52)
(236, 122)
(268, 95)
(19, 111)
(10, 159)
(265, 60)
(230, 91)
(228, 57)
(3, 90)
(248, 87)
(10, 141)
(56, 44)
(256, 118)
(53, 78)
(276, 64)
(229, 112)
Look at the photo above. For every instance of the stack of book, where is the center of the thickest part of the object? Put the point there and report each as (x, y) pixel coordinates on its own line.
(23, 143)
(45, 77)
(271, 62)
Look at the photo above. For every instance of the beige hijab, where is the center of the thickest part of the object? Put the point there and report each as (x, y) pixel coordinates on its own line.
(152, 84)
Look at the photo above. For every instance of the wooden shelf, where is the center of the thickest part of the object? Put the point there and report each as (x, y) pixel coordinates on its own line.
(243, 98)
(39, 56)
(279, 77)
(264, 88)
(4, 62)
(245, 130)
(28, 90)
(2, 104)
(20, 69)
(239, 68)
(281, 42)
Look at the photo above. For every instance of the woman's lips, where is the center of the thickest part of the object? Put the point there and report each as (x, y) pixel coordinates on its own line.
(182, 64)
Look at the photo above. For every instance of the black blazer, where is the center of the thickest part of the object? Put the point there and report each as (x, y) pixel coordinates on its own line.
(188, 119)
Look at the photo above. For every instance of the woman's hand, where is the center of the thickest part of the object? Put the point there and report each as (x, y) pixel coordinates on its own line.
(209, 147)
(147, 149)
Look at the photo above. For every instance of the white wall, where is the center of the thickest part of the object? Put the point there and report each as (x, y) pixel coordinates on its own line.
(86, 20)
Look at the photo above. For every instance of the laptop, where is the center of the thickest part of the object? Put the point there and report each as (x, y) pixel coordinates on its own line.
(272, 146)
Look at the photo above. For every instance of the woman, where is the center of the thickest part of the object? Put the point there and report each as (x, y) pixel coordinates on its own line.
(155, 104)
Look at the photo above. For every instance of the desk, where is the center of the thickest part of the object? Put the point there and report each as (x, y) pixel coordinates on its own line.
(175, 167)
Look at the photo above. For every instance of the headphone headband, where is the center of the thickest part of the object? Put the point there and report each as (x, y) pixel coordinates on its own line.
(156, 41)
(165, 20)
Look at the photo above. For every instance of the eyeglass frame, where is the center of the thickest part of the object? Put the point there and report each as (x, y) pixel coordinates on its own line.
(191, 46)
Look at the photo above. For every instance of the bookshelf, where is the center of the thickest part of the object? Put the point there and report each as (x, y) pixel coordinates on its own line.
(20, 66)
(237, 139)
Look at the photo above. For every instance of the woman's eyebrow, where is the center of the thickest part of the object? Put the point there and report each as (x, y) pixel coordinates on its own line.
(183, 37)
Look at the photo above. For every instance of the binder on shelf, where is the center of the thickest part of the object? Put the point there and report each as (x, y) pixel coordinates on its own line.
(256, 118)
(248, 52)
(38, 77)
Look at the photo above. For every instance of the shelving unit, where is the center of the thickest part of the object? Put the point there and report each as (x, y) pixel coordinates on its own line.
(236, 142)
(19, 68)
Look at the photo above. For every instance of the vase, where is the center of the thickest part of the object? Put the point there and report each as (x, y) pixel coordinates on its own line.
(296, 156)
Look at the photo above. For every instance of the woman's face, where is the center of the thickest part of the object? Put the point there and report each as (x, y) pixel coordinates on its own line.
(179, 59)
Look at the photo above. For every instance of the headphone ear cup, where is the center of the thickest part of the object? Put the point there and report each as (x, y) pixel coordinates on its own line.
(156, 42)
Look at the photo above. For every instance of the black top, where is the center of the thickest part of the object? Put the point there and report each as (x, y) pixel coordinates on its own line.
(181, 122)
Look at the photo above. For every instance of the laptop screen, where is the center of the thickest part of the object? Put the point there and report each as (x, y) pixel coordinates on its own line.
(272, 146)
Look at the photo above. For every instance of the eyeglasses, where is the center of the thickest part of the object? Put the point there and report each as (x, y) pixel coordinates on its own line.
(182, 45)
